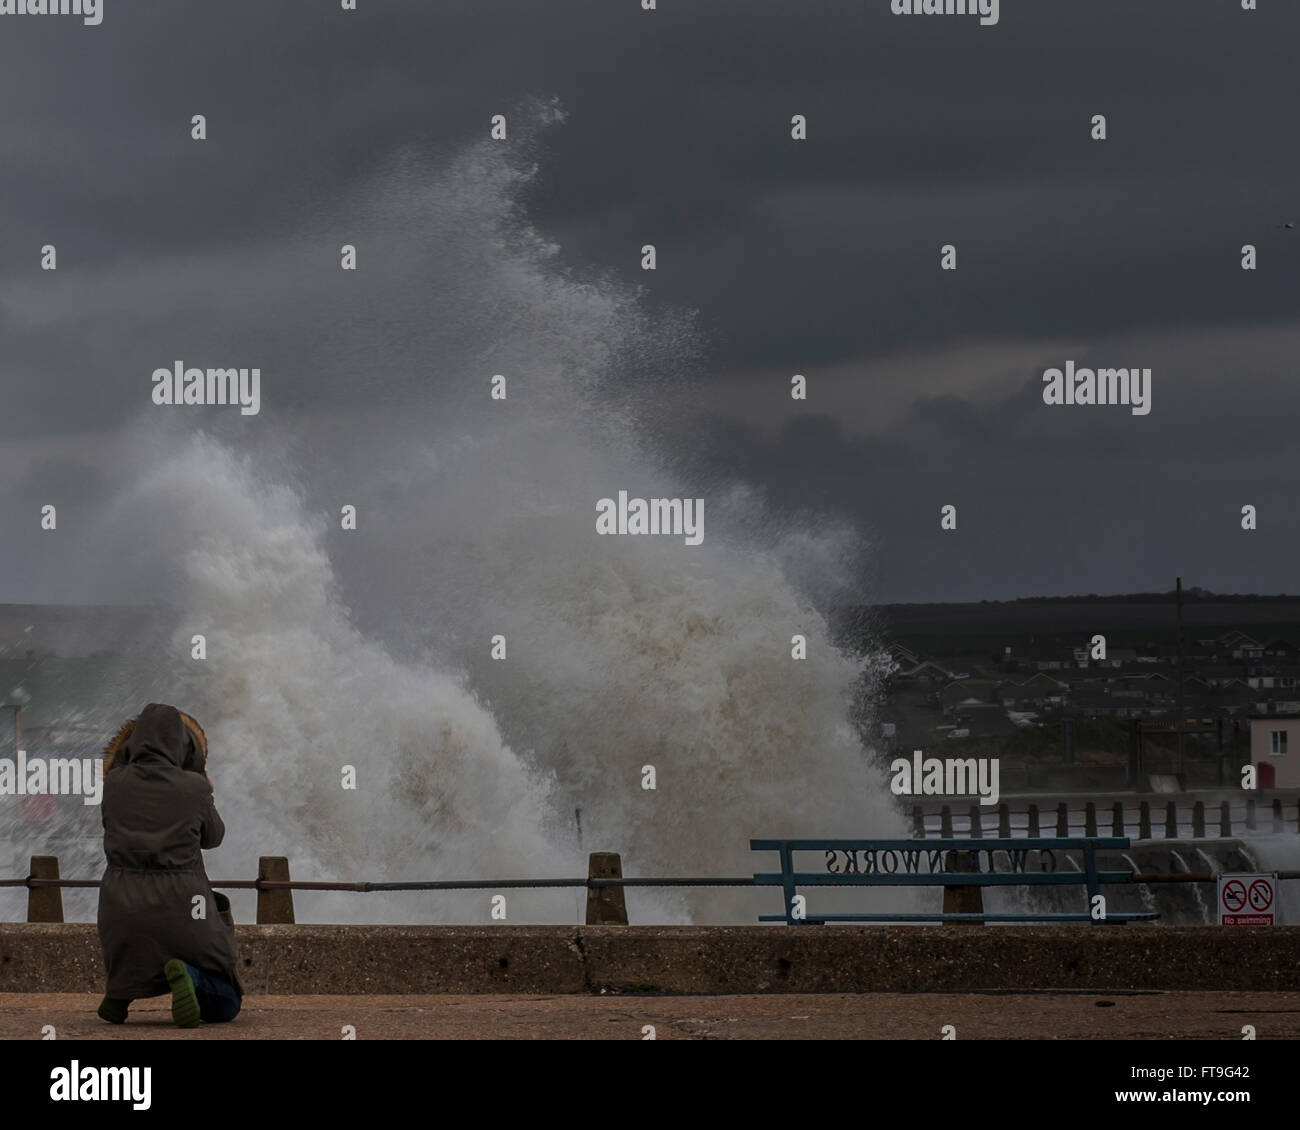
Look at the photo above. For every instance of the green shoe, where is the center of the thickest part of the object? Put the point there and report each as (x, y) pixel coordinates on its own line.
(185, 1005)
(113, 1010)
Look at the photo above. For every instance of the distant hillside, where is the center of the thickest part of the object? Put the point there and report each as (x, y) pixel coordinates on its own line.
(70, 630)
(1189, 595)
(1127, 621)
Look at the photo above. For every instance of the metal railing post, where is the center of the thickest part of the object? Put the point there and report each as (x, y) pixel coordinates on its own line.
(274, 907)
(605, 905)
(44, 904)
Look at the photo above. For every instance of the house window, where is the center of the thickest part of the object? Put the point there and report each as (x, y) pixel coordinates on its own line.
(1277, 742)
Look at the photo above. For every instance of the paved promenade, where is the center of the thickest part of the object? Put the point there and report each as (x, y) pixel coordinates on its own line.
(868, 1016)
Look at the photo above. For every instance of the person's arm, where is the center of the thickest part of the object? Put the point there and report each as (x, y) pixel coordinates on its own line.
(213, 830)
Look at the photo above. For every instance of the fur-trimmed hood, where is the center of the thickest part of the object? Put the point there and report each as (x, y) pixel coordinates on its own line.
(160, 732)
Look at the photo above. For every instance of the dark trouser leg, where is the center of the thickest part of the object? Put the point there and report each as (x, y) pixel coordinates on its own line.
(218, 1000)
(113, 1010)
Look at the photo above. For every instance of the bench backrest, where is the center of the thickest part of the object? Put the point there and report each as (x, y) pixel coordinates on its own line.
(1014, 861)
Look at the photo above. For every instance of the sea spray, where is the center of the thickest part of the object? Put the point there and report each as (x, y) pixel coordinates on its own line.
(371, 647)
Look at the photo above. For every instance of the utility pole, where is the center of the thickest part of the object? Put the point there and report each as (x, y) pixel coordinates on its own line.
(1182, 705)
(582, 895)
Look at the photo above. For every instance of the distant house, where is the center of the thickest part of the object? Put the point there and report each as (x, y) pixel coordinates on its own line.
(964, 691)
(1145, 679)
(1280, 677)
(1239, 645)
(1275, 750)
(1234, 639)
(1035, 693)
(983, 719)
(1098, 704)
(904, 656)
(1222, 674)
(1042, 682)
(1233, 697)
(928, 670)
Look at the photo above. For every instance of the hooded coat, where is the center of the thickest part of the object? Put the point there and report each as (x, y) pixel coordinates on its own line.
(158, 814)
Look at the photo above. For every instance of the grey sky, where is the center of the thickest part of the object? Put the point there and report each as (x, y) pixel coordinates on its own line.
(819, 257)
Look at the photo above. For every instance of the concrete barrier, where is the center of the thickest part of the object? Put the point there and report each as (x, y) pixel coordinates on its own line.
(699, 959)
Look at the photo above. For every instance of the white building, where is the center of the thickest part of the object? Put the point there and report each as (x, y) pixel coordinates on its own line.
(1275, 750)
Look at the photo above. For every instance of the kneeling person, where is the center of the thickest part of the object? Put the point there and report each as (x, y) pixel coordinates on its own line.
(159, 814)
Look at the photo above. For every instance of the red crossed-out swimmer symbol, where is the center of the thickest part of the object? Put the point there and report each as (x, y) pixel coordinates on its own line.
(1234, 894)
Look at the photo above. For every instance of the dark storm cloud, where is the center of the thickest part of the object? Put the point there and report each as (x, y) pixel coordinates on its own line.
(1055, 500)
(818, 257)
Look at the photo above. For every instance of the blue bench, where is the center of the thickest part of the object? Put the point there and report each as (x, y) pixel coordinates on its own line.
(949, 863)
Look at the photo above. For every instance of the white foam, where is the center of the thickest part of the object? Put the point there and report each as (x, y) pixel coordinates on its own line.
(370, 648)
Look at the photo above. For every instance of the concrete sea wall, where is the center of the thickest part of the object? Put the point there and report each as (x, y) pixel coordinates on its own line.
(700, 959)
